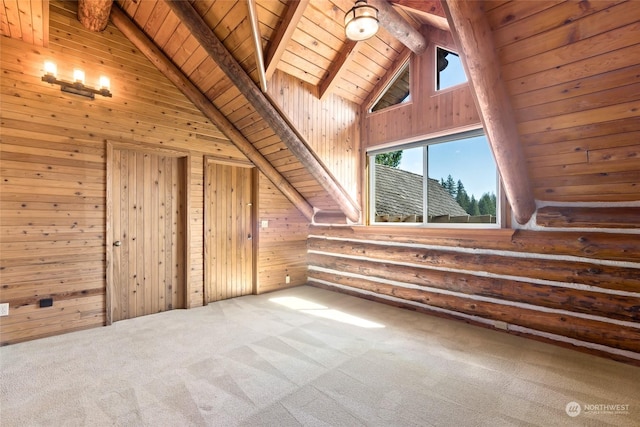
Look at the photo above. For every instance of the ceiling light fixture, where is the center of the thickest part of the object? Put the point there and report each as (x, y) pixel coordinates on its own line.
(361, 21)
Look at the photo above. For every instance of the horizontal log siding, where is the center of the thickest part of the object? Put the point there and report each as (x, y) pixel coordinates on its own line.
(577, 289)
(53, 175)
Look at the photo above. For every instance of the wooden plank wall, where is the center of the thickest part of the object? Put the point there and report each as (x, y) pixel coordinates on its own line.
(573, 73)
(53, 169)
(27, 20)
(429, 112)
(282, 243)
(578, 289)
(331, 127)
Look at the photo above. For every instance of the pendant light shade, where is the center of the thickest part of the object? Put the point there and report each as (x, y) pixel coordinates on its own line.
(361, 21)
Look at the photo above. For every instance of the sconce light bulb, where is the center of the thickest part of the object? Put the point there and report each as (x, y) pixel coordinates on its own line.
(50, 68)
(104, 83)
(78, 76)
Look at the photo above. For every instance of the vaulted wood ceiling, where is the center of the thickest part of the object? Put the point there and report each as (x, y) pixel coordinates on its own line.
(570, 68)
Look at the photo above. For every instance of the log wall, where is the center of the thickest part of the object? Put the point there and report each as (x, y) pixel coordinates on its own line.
(53, 172)
(577, 289)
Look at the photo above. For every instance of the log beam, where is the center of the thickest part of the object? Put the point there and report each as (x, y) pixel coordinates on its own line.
(166, 67)
(472, 34)
(430, 11)
(337, 67)
(398, 27)
(219, 53)
(279, 41)
(94, 14)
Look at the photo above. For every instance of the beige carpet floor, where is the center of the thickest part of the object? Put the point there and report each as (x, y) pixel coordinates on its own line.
(307, 356)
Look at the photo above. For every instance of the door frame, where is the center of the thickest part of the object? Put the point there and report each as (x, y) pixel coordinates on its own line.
(209, 159)
(186, 225)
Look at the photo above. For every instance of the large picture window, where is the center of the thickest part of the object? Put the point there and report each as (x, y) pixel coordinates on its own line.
(457, 174)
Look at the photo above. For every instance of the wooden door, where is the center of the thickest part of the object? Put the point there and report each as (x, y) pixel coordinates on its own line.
(147, 234)
(229, 225)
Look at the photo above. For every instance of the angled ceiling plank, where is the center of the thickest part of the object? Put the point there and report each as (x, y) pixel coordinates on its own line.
(388, 78)
(257, 42)
(398, 27)
(429, 10)
(280, 39)
(472, 33)
(219, 53)
(94, 14)
(337, 67)
(166, 67)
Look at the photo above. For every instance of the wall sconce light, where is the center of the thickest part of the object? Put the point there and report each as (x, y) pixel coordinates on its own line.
(361, 21)
(77, 86)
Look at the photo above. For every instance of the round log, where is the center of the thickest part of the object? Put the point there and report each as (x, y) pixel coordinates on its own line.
(94, 14)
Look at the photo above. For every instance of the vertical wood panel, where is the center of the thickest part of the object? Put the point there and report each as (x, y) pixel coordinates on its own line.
(169, 238)
(132, 231)
(282, 243)
(228, 217)
(156, 258)
(330, 126)
(152, 224)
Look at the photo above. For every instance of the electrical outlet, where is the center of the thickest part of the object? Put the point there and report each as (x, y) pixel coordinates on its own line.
(498, 324)
(4, 309)
(265, 223)
(287, 279)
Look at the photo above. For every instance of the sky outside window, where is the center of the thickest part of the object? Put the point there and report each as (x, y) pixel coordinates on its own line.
(469, 160)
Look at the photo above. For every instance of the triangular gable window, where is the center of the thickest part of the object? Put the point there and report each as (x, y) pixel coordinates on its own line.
(449, 69)
(398, 91)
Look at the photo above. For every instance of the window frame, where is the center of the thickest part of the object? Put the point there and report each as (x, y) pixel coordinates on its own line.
(425, 143)
(407, 63)
(435, 70)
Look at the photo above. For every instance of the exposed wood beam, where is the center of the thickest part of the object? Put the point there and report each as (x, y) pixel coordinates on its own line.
(336, 68)
(219, 53)
(472, 33)
(398, 27)
(433, 7)
(166, 67)
(257, 42)
(279, 41)
(430, 11)
(94, 14)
